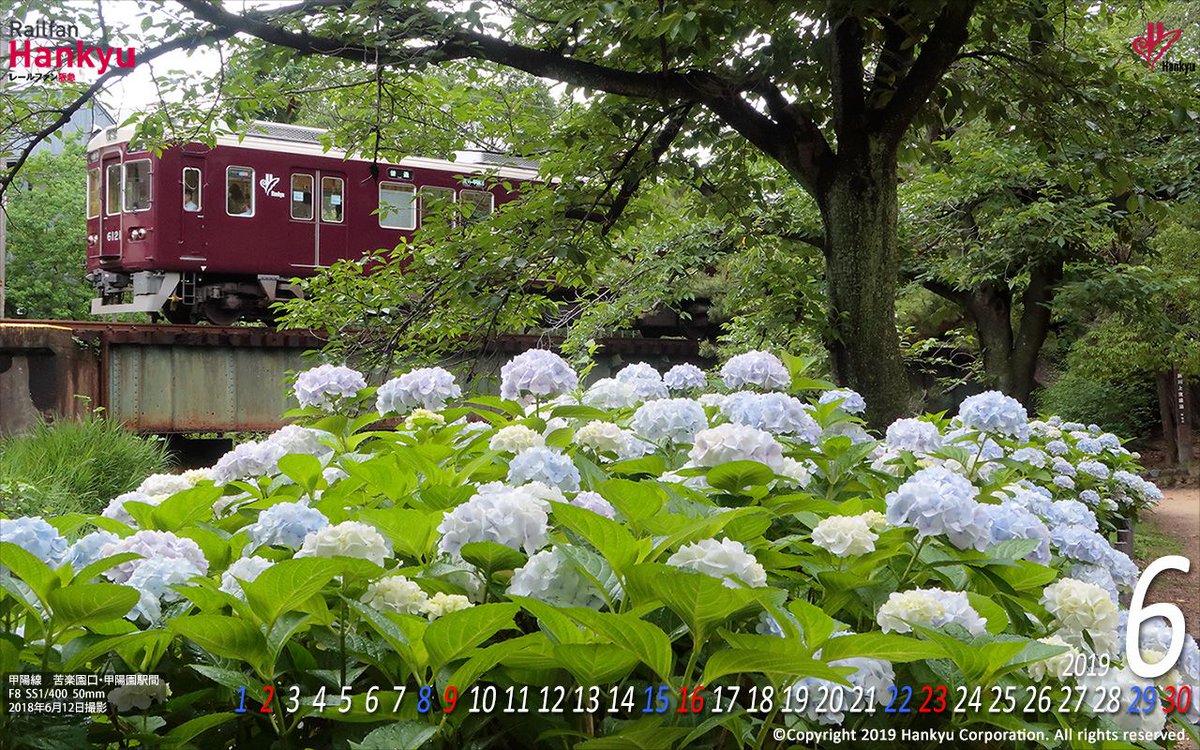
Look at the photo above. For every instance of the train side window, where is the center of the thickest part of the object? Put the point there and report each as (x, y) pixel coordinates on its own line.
(476, 204)
(191, 189)
(397, 205)
(332, 207)
(302, 197)
(434, 200)
(239, 191)
(112, 189)
(93, 193)
(137, 185)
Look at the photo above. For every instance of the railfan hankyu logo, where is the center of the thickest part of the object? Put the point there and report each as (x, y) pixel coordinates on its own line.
(1155, 43)
(63, 58)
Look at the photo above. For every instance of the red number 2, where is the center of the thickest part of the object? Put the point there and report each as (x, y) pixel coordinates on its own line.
(266, 707)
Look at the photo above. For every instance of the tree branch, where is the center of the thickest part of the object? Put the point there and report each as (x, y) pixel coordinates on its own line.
(846, 79)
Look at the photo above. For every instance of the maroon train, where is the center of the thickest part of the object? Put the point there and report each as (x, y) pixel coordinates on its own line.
(219, 233)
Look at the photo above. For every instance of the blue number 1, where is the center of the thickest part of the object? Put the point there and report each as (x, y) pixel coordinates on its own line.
(241, 709)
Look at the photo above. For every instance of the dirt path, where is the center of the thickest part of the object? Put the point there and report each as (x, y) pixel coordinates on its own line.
(1178, 516)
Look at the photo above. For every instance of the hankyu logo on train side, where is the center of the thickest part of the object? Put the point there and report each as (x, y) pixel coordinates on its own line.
(268, 183)
(64, 58)
(1155, 43)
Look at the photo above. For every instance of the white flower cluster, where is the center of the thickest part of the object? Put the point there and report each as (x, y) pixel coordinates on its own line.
(536, 374)
(993, 412)
(776, 413)
(1079, 608)
(606, 437)
(931, 608)
(544, 464)
(726, 560)
(644, 380)
(426, 387)
(735, 442)
(515, 438)
(672, 420)
(845, 535)
(685, 377)
(347, 539)
(755, 369)
(913, 435)
(242, 569)
(512, 516)
(610, 393)
(325, 386)
(152, 545)
(550, 576)
(847, 400)
(936, 501)
(396, 595)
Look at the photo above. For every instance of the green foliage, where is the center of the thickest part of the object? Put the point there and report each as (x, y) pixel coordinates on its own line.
(74, 466)
(1118, 400)
(46, 232)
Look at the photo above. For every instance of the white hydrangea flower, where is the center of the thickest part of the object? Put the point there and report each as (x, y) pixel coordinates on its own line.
(443, 604)
(153, 578)
(851, 401)
(646, 382)
(396, 594)
(1055, 666)
(760, 369)
(294, 439)
(87, 548)
(845, 535)
(323, 387)
(674, 420)
(116, 507)
(536, 374)
(610, 393)
(724, 560)
(347, 539)
(685, 377)
(420, 418)
(796, 473)
(1081, 607)
(126, 698)
(594, 502)
(876, 520)
(994, 412)
(515, 438)
(166, 484)
(544, 464)
(713, 400)
(1134, 727)
(735, 442)
(512, 516)
(243, 569)
(551, 577)
(285, 525)
(776, 413)
(1098, 575)
(935, 502)
(913, 435)
(602, 436)
(152, 545)
(931, 608)
(427, 387)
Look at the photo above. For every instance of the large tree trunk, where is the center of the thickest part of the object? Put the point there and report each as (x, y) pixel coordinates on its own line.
(858, 207)
(990, 306)
(1035, 325)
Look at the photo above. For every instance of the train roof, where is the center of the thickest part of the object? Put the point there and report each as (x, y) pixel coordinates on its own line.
(297, 139)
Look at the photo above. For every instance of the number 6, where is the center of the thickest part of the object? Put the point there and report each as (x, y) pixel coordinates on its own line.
(1139, 614)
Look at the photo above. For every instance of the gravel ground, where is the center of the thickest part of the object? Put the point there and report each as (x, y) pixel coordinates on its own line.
(1178, 516)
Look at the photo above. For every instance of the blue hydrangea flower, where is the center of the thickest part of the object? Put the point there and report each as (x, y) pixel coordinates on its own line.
(322, 387)
(1064, 482)
(1057, 448)
(675, 420)
(36, 537)
(286, 525)
(594, 502)
(1080, 543)
(995, 413)
(1011, 520)
(542, 464)
(913, 435)
(1031, 456)
(685, 377)
(536, 374)
(1094, 468)
(758, 369)
(644, 380)
(86, 549)
(427, 387)
(936, 501)
(776, 413)
(850, 401)
(1072, 513)
(1090, 446)
(610, 393)
(153, 579)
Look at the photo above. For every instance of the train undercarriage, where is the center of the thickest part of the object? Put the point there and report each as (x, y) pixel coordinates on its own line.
(186, 297)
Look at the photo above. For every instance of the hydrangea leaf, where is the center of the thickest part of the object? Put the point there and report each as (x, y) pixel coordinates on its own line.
(286, 585)
(88, 603)
(24, 565)
(492, 556)
(894, 647)
(185, 508)
(303, 469)
(231, 637)
(610, 538)
(449, 637)
(595, 663)
(736, 476)
(640, 638)
(769, 661)
(401, 734)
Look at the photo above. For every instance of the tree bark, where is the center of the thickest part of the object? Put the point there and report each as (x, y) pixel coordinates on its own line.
(1035, 325)
(1166, 413)
(990, 306)
(858, 207)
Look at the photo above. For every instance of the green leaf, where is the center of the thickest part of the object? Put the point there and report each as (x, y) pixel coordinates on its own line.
(610, 538)
(574, 411)
(193, 728)
(492, 556)
(303, 469)
(997, 619)
(450, 636)
(230, 637)
(385, 474)
(412, 532)
(774, 661)
(635, 501)
(38, 576)
(640, 638)
(485, 659)
(652, 465)
(595, 663)
(91, 603)
(403, 735)
(391, 632)
(738, 475)
(287, 584)
(890, 646)
(699, 600)
(185, 508)
(91, 571)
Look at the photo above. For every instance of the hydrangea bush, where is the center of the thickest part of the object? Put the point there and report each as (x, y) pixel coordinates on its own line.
(682, 568)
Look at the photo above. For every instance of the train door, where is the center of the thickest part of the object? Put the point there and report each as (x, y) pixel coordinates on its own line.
(111, 229)
(302, 219)
(193, 240)
(331, 217)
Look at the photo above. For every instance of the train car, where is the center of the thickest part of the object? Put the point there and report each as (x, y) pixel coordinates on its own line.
(220, 233)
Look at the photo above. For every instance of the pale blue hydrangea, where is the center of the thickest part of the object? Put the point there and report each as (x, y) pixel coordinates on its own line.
(1072, 513)
(550, 576)
(735, 442)
(995, 413)
(1080, 543)
(874, 677)
(536, 374)
(153, 579)
(152, 545)
(610, 393)
(646, 381)
(1090, 498)
(856, 432)
(685, 377)
(325, 386)
(512, 516)
(1057, 448)
(426, 387)
(36, 537)
(776, 413)
(1090, 446)
(1031, 456)
(294, 439)
(1109, 441)
(1062, 466)
(913, 435)
(594, 502)
(1064, 482)
(675, 420)
(1094, 468)
(285, 525)
(1098, 575)
(1011, 520)
(542, 464)
(1072, 426)
(637, 371)
(759, 369)
(936, 501)
(987, 450)
(1122, 568)
(847, 400)
(245, 461)
(243, 569)
(86, 549)
(117, 511)
(1037, 500)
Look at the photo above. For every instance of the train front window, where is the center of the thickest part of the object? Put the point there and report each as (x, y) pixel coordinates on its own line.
(112, 189)
(137, 185)
(93, 193)
(239, 191)
(191, 189)
(302, 197)
(435, 201)
(332, 207)
(397, 205)
(476, 204)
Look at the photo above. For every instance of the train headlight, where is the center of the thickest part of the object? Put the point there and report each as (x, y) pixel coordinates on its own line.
(92, 239)
(137, 234)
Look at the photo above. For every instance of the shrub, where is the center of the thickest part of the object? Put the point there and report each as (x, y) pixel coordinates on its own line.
(74, 466)
(1127, 407)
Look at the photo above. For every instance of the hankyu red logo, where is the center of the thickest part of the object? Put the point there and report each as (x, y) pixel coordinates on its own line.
(1155, 43)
